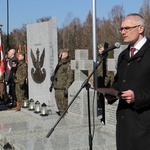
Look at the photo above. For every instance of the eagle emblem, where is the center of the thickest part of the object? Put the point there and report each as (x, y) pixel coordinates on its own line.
(38, 73)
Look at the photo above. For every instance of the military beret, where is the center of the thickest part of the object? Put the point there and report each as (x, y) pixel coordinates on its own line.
(64, 50)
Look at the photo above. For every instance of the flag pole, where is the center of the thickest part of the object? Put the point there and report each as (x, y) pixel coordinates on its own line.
(7, 25)
(94, 41)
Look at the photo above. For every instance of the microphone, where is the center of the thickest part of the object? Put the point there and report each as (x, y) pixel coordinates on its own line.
(116, 45)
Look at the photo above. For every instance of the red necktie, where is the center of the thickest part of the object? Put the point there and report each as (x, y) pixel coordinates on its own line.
(132, 50)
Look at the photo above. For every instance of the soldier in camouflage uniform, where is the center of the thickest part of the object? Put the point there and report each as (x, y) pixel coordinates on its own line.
(20, 80)
(63, 79)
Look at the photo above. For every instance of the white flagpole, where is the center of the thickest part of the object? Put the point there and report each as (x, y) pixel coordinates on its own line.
(94, 42)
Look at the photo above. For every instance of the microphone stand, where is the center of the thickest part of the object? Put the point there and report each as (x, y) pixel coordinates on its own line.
(54, 73)
(87, 85)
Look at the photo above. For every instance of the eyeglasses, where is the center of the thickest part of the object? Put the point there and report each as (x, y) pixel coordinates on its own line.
(126, 29)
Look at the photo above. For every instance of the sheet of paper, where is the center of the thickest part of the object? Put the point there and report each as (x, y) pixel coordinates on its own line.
(109, 91)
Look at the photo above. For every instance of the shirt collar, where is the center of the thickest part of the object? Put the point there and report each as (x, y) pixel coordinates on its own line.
(140, 44)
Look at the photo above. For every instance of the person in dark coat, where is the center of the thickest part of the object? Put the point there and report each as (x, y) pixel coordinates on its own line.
(8, 65)
(11, 82)
(133, 81)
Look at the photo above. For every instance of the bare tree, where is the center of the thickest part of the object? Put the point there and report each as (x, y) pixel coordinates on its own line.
(109, 28)
(43, 19)
(116, 15)
(87, 34)
(145, 12)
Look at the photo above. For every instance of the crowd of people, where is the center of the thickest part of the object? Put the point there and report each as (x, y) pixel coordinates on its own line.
(15, 79)
(16, 84)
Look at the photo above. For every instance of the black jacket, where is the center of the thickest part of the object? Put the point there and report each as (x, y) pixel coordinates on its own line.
(133, 120)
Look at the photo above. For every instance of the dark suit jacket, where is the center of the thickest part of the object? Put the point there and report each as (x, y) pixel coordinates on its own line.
(7, 72)
(133, 120)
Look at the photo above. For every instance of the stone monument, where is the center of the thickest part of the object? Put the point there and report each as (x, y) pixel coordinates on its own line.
(42, 59)
(112, 62)
(79, 108)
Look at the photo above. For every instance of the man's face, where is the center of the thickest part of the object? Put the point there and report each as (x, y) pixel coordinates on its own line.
(14, 64)
(20, 57)
(130, 30)
(10, 53)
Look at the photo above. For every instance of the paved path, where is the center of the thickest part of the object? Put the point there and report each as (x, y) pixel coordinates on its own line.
(25, 130)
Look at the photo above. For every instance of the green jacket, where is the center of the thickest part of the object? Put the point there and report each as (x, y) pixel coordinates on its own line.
(64, 75)
(21, 73)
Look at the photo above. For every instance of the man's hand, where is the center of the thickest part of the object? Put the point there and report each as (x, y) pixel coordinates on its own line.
(128, 96)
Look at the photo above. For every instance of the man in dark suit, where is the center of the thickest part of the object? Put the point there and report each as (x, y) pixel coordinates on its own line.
(10, 57)
(133, 81)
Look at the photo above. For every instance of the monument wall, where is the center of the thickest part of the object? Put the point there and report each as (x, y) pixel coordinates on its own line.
(79, 108)
(42, 59)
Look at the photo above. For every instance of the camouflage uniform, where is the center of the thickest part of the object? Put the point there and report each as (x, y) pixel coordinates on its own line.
(63, 79)
(21, 75)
